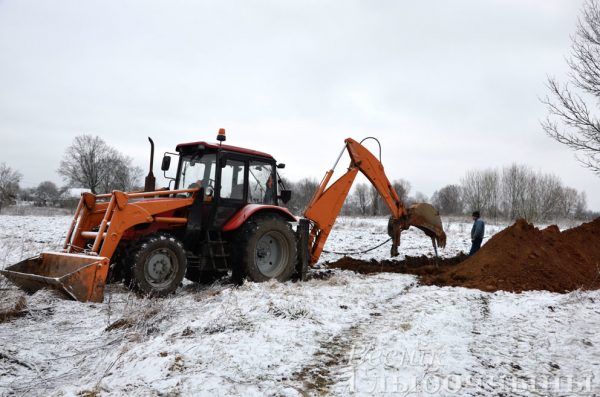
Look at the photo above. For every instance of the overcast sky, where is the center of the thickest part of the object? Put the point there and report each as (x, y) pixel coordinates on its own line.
(447, 86)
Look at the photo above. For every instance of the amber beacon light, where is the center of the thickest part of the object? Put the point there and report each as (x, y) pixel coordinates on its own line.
(221, 136)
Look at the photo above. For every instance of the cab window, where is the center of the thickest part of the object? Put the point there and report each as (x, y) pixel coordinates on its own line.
(232, 180)
(261, 184)
(198, 171)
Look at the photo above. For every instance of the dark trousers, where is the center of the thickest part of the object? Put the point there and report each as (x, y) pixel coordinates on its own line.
(475, 246)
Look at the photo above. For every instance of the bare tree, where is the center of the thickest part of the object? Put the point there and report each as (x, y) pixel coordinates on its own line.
(448, 200)
(46, 193)
(402, 187)
(548, 197)
(569, 202)
(570, 120)
(475, 196)
(519, 192)
(491, 185)
(581, 206)
(361, 193)
(419, 197)
(376, 200)
(9, 184)
(302, 193)
(90, 163)
(123, 176)
(514, 186)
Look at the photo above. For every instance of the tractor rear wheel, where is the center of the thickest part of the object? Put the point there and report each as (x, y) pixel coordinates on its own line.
(267, 249)
(158, 266)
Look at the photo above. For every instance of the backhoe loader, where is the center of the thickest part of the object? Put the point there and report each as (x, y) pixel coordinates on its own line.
(221, 214)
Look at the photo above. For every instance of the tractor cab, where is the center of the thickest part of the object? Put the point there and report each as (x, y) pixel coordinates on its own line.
(227, 173)
(229, 178)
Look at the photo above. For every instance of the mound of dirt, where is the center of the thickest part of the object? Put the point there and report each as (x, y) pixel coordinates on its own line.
(519, 258)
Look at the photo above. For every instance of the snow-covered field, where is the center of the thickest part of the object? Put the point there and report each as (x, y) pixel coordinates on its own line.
(348, 334)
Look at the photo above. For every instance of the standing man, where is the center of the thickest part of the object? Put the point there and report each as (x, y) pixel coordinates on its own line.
(476, 233)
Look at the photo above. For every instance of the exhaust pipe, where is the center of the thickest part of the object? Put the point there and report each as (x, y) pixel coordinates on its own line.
(150, 182)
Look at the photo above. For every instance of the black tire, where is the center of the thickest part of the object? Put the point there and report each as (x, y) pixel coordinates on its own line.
(158, 265)
(119, 267)
(115, 272)
(266, 249)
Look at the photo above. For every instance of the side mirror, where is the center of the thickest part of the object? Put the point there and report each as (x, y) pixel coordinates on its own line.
(285, 196)
(281, 165)
(166, 163)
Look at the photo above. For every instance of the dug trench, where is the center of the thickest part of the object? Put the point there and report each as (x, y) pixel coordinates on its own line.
(520, 258)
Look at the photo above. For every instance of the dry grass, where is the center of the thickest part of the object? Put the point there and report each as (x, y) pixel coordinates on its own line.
(30, 210)
(19, 309)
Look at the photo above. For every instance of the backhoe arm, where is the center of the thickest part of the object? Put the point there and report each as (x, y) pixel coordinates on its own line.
(327, 202)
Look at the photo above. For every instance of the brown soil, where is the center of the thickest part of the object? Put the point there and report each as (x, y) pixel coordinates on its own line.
(519, 258)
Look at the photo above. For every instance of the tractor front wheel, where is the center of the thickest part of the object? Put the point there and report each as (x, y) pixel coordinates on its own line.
(158, 266)
(267, 249)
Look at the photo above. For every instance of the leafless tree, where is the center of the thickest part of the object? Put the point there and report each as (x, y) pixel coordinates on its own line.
(519, 192)
(481, 191)
(123, 175)
(514, 186)
(46, 193)
(448, 200)
(581, 206)
(402, 187)
(90, 163)
(361, 194)
(570, 120)
(302, 193)
(419, 197)
(548, 196)
(573, 204)
(9, 184)
(568, 203)
(491, 184)
(376, 200)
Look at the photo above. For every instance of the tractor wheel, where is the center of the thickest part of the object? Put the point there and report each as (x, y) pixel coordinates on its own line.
(158, 265)
(267, 249)
(119, 267)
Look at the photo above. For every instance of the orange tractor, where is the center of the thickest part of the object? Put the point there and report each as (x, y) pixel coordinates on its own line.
(222, 215)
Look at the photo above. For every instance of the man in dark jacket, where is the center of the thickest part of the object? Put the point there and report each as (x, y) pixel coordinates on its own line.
(476, 233)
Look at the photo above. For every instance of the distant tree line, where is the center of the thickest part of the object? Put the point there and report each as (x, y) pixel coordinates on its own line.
(515, 191)
(363, 200)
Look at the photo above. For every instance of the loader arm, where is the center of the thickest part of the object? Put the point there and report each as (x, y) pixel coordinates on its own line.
(327, 203)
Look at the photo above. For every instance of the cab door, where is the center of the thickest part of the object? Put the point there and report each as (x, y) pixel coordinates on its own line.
(231, 188)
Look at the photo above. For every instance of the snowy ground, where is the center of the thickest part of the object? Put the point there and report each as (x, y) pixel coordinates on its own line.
(348, 334)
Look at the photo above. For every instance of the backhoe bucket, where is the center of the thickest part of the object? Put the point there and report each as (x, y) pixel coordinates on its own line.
(425, 217)
(80, 277)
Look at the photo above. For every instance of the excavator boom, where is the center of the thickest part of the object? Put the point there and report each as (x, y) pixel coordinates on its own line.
(327, 202)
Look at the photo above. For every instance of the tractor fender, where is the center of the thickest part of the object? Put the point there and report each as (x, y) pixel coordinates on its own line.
(245, 213)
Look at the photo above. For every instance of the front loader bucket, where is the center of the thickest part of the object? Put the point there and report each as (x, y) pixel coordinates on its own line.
(80, 277)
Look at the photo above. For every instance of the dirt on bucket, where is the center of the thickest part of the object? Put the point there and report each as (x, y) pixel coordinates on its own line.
(519, 258)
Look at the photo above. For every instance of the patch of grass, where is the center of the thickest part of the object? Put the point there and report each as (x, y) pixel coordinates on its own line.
(18, 310)
(122, 323)
(291, 312)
